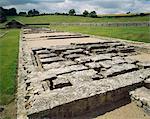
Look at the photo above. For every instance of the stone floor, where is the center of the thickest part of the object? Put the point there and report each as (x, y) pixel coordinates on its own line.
(64, 81)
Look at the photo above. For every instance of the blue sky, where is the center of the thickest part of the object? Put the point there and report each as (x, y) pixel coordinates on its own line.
(101, 6)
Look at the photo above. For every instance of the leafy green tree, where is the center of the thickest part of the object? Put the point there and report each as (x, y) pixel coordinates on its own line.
(30, 12)
(128, 12)
(2, 15)
(142, 14)
(8, 12)
(93, 14)
(2, 18)
(22, 13)
(33, 12)
(72, 12)
(85, 13)
(12, 12)
(3, 11)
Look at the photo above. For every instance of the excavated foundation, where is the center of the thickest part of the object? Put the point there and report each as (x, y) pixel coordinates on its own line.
(66, 81)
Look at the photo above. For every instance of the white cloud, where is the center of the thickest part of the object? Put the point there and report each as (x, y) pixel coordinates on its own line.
(101, 6)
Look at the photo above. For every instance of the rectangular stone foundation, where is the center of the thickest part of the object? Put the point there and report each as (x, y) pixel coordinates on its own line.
(68, 81)
(83, 106)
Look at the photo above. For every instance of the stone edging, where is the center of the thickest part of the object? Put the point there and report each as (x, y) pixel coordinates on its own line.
(21, 112)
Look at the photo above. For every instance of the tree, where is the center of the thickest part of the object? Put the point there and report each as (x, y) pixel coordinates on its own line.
(33, 12)
(12, 12)
(2, 18)
(3, 11)
(30, 12)
(9, 12)
(85, 13)
(2, 15)
(72, 12)
(128, 12)
(22, 13)
(93, 14)
(142, 14)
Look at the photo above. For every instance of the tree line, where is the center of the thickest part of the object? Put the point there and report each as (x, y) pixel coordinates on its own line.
(7, 12)
(13, 12)
(71, 12)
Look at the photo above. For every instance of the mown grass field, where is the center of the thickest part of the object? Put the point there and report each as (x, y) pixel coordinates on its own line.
(140, 34)
(2, 32)
(60, 18)
(8, 65)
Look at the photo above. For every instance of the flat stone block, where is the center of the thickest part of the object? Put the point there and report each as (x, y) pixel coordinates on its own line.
(147, 83)
(101, 57)
(59, 64)
(74, 56)
(76, 51)
(60, 83)
(51, 60)
(43, 56)
(120, 69)
(142, 97)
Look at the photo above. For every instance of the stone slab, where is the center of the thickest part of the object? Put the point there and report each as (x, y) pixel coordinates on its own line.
(147, 83)
(142, 98)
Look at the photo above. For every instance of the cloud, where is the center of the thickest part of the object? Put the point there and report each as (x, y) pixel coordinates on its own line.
(101, 6)
(16, 2)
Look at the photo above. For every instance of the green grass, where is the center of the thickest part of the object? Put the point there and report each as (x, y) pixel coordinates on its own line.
(2, 33)
(140, 34)
(72, 19)
(8, 65)
(55, 18)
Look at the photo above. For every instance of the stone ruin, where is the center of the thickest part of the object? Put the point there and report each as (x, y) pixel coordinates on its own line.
(63, 82)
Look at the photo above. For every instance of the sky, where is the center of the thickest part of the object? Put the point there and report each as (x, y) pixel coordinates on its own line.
(100, 6)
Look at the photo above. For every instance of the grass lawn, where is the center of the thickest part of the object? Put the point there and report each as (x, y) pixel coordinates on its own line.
(60, 18)
(8, 64)
(2, 32)
(140, 34)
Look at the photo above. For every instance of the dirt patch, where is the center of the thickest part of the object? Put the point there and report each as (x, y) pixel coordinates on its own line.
(48, 43)
(130, 111)
(9, 111)
(141, 57)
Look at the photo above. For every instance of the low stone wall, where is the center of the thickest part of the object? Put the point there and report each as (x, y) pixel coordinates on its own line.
(83, 106)
(104, 24)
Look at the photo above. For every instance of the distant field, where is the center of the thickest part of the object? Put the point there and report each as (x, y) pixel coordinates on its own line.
(72, 19)
(8, 63)
(140, 34)
(59, 18)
